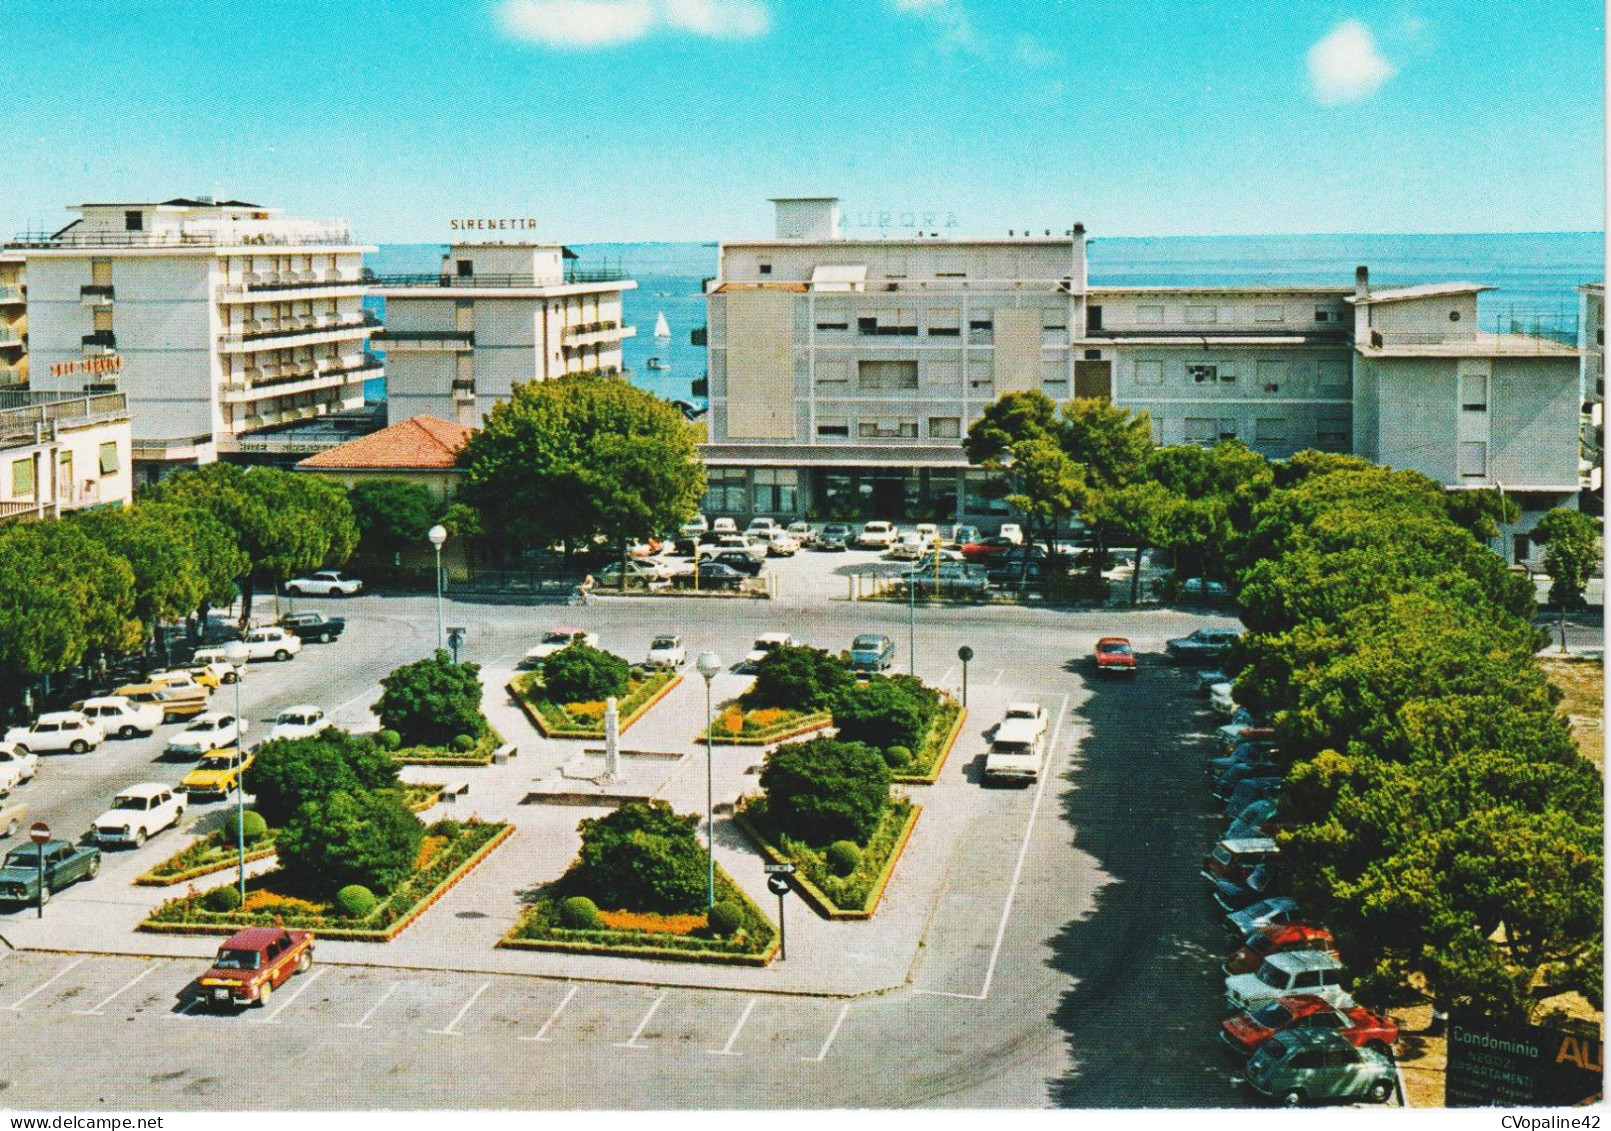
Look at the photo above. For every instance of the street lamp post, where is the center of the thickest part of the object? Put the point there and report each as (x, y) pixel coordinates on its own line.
(911, 621)
(708, 664)
(438, 535)
(235, 655)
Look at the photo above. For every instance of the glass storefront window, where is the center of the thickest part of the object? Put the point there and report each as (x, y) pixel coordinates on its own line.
(979, 499)
(776, 490)
(726, 491)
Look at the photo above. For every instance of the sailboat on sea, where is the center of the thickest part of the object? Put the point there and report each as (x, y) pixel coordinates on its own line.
(662, 337)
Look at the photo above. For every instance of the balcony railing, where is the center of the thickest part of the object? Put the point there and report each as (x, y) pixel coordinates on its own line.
(387, 334)
(300, 327)
(10, 337)
(448, 279)
(23, 413)
(584, 328)
(105, 339)
(11, 294)
(224, 234)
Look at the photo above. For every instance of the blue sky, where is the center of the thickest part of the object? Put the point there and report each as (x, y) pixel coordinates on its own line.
(677, 119)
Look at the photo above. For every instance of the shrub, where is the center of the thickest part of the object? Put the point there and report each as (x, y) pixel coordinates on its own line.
(843, 857)
(366, 837)
(389, 739)
(256, 827)
(447, 827)
(885, 712)
(579, 673)
(642, 857)
(725, 918)
(463, 743)
(799, 678)
(224, 900)
(429, 701)
(826, 789)
(355, 901)
(898, 757)
(580, 913)
(291, 771)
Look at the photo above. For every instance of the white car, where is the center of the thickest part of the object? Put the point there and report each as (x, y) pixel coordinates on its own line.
(1033, 712)
(555, 639)
(930, 531)
(121, 718)
(1219, 698)
(58, 730)
(755, 547)
(25, 763)
(211, 730)
(646, 570)
(909, 548)
(666, 651)
(139, 812)
(780, 543)
(271, 643)
(877, 535)
(302, 721)
(1018, 747)
(1288, 972)
(724, 526)
(325, 583)
(802, 533)
(694, 527)
(762, 526)
(219, 669)
(765, 643)
(1013, 533)
(179, 677)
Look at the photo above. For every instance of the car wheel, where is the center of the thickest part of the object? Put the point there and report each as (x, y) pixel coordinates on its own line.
(11, 827)
(79, 746)
(281, 655)
(265, 993)
(293, 590)
(139, 838)
(94, 868)
(230, 677)
(1379, 1092)
(20, 748)
(44, 894)
(325, 638)
(304, 962)
(126, 731)
(1293, 1098)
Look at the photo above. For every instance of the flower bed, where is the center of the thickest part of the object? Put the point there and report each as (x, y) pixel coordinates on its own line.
(272, 900)
(586, 720)
(635, 935)
(211, 853)
(420, 796)
(855, 896)
(928, 758)
(765, 725)
(478, 755)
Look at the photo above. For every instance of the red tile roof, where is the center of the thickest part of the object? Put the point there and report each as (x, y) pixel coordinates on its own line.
(421, 443)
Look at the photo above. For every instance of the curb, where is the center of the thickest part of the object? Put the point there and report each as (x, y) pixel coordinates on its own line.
(945, 753)
(819, 901)
(823, 720)
(586, 732)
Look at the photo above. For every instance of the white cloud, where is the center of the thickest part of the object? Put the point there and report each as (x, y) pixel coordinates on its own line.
(608, 23)
(1345, 66)
(953, 30)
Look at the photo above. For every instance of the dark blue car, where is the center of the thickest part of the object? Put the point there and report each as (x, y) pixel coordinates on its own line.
(872, 653)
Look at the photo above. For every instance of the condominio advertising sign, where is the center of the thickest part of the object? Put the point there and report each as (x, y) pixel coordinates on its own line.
(1495, 1064)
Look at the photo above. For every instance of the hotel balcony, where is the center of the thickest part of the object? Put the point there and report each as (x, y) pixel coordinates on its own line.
(13, 295)
(449, 281)
(193, 234)
(294, 285)
(99, 342)
(590, 334)
(96, 294)
(301, 377)
(424, 341)
(10, 336)
(256, 336)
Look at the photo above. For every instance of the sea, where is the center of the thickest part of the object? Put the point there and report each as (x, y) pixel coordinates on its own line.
(1536, 276)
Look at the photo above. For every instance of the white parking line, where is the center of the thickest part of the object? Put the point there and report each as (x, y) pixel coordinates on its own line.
(273, 1018)
(631, 1042)
(363, 1023)
(822, 1054)
(542, 1034)
(999, 674)
(334, 711)
(95, 1009)
(184, 1014)
(451, 1031)
(52, 980)
(727, 1049)
(945, 680)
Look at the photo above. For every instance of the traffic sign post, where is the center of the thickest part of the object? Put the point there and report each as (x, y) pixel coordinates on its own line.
(964, 654)
(39, 833)
(778, 881)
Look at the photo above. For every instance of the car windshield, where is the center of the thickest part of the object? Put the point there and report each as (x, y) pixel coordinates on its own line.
(556, 638)
(28, 854)
(1116, 649)
(128, 801)
(238, 959)
(203, 724)
(1273, 1016)
(294, 718)
(216, 763)
(867, 642)
(1272, 975)
(765, 645)
(663, 643)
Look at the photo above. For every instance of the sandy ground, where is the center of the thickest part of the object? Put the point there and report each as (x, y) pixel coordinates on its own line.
(1583, 681)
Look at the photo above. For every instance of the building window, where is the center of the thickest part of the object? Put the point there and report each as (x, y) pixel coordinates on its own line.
(1328, 316)
(1454, 316)
(1331, 435)
(945, 428)
(1150, 315)
(945, 322)
(833, 325)
(108, 455)
(832, 371)
(22, 478)
(981, 375)
(887, 430)
(466, 268)
(726, 490)
(834, 431)
(879, 376)
(897, 323)
(1202, 314)
(766, 268)
(1473, 459)
(1474, 392)
(1269, 312)
(1149, 373)
(134, 221)
(1333, 376)
(1200, 429)
(775, 489)
(1271, 374)
(1270, 430)
(1202, 374)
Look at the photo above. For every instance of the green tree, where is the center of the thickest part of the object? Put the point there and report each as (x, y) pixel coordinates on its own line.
(366, 837)
(826, 789)
(885, 711)
(641, 857)
(1017, 440)
(797, 677)
(1146, 510)
(156, 542)
(430, 701)
(1481, 512)
(581, 673)
(391, 514)
(1111, 443)
(287, 772)
(1571, 555)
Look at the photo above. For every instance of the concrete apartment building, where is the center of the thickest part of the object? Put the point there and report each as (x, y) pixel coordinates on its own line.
(497, 313)
(13, 321)
(843, 373)
(62, 452)
(1591, 340)
(217, 319)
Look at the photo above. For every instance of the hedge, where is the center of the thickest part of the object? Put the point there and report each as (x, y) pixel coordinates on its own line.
(835, 897)
(479, 755)
(210, 853)
(554, 721)
(929, 758)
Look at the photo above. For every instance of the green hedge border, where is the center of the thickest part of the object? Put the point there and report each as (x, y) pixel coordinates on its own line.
(547, 730)
(349, 934)
(485, 747)
(815, 896)
(806, 724)
(150, 879)
(944, 740)
(725, 888)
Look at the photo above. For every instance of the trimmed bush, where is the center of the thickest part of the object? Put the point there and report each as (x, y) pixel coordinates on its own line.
(726, 917)
(826, 789)
(797, 678)
(367, 837)
(389, 739)
(843, 857)
(580, 913)
(463, 743)
(429, 701)
(224, 900)
(256, 827)
(641, 857)
(580, 673)
(355, 901)
(291, 771)
(898, 757)
(885, 712)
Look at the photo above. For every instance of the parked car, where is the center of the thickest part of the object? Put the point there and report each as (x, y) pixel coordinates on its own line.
(121, 718)
(325, 583)
(802, 533)
(725, 544)
(1222, 698)
(211, 731)
(271, 643)
(1009, 565)
(1114, 656)
(780, 543)
(253, 963)
(765, 643)
(1233, 892)
(1232, 858)
(762, 525)
(909, 547)
(716, 575)
(1233, 733)
(959, 535)
(639, 571)
(832, 540)
(965, 578)
(984, 549)
(930, 532)
(1204, 644)
(64, 864)
(23, 765)
(56, 731)
(1291, 972)
(741, 560)
(1249, 790)
(1018, 746)
(1258, 819)
(871, 653)
(175, 702)
(217, 774)
(1260, 756)
(314, 626)
(1273, 911)
(178, 679)
(139, 812)
(1012, 532)
(1259, 944)
(666, 651)
(838, 530)
(694, 527)
(1305, 1066)
(724, 526)
(302, 721)
(1226, 781)
(1247, 1032)
(214, 674)
(1204, 589)
(555, 639)
(1206, 679)
(877, 535)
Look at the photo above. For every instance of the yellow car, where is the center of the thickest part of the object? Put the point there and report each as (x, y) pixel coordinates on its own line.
(213, 674)
(176, 702)
(216, 774)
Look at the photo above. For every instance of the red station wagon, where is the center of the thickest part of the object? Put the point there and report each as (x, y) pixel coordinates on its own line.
(1245, 1032)
(253, 963)
(1274, 939)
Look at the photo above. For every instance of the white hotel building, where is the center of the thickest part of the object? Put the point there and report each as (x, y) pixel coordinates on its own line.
(220, 319)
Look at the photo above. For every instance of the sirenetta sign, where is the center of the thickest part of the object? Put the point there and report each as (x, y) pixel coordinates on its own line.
(492, 224)
(111, 363)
